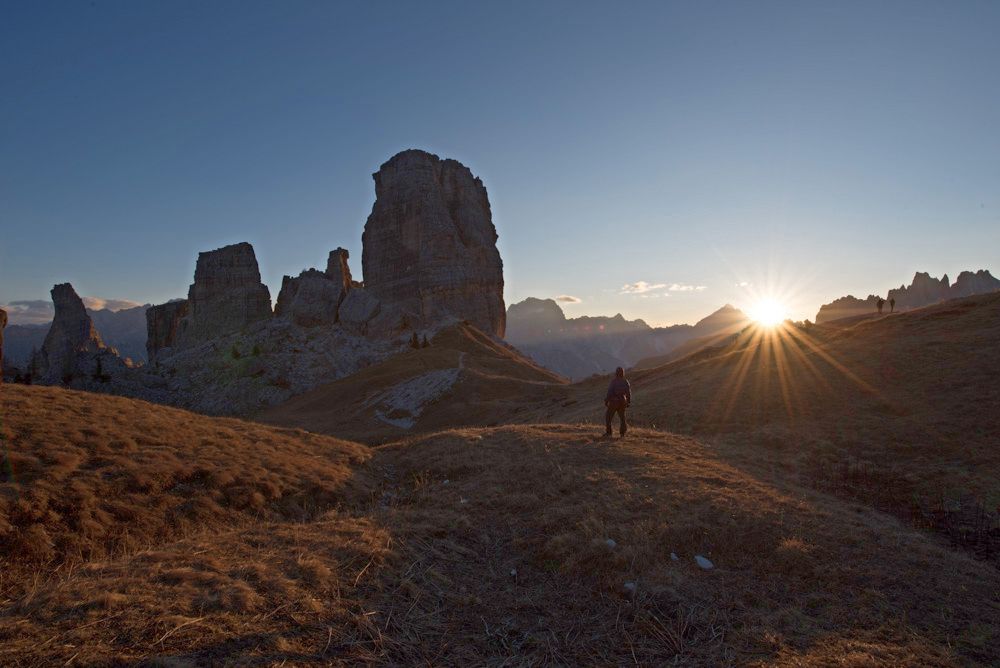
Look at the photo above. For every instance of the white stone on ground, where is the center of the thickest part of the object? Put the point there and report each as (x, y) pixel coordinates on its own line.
(411, 396)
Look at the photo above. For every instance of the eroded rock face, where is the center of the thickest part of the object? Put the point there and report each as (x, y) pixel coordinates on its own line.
(430, 245)
(162, 326)
(337, 269)
(71, 335)
(311, 299)
(314, 297)
(358, 310)
(922, 291)
(978, 283)
(226, 295)
(847, 307)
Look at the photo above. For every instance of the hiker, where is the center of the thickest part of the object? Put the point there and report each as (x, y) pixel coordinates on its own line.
(892, 304)
(880, 303)
(617, 399)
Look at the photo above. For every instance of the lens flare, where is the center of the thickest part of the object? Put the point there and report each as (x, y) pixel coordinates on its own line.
(768, 312)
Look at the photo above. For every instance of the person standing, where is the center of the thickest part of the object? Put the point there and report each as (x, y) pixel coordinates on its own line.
(879, 304)
(892, 304)
(617, 399)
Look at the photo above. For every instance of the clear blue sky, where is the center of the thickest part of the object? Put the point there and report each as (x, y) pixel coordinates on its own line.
(812, 148)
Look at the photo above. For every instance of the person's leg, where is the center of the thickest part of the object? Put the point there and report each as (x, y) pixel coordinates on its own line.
(621, 419)
(607, 418)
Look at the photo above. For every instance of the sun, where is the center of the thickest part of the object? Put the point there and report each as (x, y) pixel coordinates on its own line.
(768, 312)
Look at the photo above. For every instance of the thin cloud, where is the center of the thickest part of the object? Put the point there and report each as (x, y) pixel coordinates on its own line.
(682, 287)
(641, 287)
(29, 311)
(569, 299)
(98, 303)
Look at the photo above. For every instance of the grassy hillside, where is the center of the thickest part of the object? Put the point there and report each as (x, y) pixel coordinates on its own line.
(833, 476)
(897, 412)
(468, 546)
(501, 550)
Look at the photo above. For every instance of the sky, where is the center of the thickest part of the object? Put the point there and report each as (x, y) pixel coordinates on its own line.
(654, 159)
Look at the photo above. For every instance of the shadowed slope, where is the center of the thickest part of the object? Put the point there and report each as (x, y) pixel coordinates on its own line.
(463, 378)
(897, 412)
(480, 546)
(501, 551)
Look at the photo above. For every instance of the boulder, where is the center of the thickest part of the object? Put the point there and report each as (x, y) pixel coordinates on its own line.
(71, 335)
(429, 245)
(226, 295)
(162, 325)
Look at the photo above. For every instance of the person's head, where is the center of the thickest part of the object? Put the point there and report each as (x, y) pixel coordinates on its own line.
(620, 372)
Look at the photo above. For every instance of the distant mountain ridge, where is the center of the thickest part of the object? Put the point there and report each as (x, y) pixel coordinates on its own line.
(580, 347)
(923, 290)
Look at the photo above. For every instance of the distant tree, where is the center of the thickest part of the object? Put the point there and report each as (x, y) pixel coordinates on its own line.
(67, 378)
(425, 343)
(98, 371)
(414, 341)
(256, 350)
(235, 352)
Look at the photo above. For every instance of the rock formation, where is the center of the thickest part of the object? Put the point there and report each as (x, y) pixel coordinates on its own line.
(847, 307)
(358, 310)
(429, 246)
(978, 283)
(922, 291)
(71, 335)
(430, 257)
(162, 325)
(313, 298)
(337, 269)
(226, 295)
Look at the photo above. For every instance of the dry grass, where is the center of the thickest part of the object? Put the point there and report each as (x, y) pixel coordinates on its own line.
(90, 477)
(135, 533)
(910, 397)
(800, 579)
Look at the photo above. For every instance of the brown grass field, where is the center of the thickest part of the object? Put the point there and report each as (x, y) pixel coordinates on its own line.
(802, 463)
